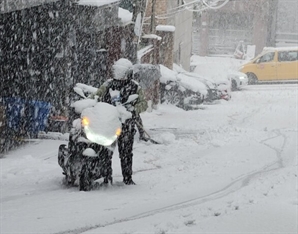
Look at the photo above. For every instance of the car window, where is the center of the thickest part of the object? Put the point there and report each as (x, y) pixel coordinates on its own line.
(284, 56)
(266, 58)
(293, 55)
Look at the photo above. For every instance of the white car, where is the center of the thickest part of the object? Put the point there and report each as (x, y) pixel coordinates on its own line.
(238, 79)
(223, 70)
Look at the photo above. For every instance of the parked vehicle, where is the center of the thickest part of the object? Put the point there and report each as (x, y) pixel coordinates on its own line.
(218, 88)
(273, 64)
(238, 80)
(181, 90)
(188, 90)
(221, 71)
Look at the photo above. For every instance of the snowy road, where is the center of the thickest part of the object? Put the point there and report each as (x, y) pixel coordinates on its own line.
(230, 168)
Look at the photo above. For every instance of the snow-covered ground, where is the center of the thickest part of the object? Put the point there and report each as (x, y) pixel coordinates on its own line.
(228, 168)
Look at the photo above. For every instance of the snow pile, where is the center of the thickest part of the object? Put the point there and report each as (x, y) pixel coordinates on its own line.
(83, 104)
(167, 74)
(101, 123)
(89, 152)
(191, 83)
(165, 28)
(152, 36)
(96, 2)
(185, 79)
(124, 15)
(86, 88)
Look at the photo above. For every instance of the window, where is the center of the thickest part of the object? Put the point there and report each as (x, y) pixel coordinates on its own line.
(293, 55)
(266, 58)
(285, 56)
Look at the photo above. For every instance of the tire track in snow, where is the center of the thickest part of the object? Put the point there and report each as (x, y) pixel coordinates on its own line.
(232, 187)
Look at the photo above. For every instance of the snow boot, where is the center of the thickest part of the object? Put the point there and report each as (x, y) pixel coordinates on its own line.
(128, 181)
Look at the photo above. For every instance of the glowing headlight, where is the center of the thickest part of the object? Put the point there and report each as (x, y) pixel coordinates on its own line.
(118, 132)
(101, 123)
(100, 139)
(85, 122)
(241, 77)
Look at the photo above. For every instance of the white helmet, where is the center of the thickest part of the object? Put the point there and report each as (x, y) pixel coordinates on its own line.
(121, 68)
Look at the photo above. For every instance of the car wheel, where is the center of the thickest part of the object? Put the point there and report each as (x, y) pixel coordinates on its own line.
(252, 78)
(172, 96)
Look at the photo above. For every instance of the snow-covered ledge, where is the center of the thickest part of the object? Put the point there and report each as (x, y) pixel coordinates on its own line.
(152, 36)
(165, 28)
(96, 2)
(125, 16)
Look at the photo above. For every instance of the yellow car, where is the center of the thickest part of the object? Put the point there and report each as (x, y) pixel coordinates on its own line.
(273, 64)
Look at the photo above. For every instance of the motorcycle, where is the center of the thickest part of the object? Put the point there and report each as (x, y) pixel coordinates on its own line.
(92, 138)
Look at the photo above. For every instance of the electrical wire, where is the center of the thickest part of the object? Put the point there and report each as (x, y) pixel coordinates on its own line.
(174, 10)
(215, 7)
(184, 7)
(208, 7)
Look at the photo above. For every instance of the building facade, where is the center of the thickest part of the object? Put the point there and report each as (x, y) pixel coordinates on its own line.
(255, 22)
(172, 13)
(45, 49)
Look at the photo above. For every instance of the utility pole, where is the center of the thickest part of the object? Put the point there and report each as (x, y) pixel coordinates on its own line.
(152, 29)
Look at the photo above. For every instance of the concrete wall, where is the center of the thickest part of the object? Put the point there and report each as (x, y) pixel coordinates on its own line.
(183, 38)
(287, 23)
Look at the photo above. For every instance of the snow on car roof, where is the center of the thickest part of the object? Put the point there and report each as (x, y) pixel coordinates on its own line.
(167, 74)
(266, 49)
(204, 79)
(191, 83)
(185, 80)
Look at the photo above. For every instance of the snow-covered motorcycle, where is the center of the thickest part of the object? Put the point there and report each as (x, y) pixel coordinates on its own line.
(92, 139)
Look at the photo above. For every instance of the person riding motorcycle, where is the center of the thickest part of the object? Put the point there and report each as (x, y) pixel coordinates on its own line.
(123, 84)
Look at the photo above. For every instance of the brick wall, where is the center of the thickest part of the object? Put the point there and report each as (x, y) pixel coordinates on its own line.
(166, 48)
(160, 8)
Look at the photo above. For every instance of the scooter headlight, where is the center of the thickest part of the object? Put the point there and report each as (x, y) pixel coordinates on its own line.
(85, 122)
(118, 132)
(101, 124)
(98, 138)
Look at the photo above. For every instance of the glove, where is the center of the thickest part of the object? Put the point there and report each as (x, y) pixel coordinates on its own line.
(129, 107)
(115, 100)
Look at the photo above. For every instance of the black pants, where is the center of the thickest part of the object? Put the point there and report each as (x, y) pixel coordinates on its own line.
(125, 147)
